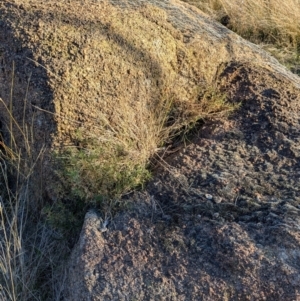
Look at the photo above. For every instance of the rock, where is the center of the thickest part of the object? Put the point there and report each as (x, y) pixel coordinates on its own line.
(89, 250)
(209, 196)
(83, 59)
(188, 258)
(76, 61)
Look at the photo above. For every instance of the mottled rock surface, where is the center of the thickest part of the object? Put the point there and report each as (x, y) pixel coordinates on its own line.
(81, 60)
(220, 219)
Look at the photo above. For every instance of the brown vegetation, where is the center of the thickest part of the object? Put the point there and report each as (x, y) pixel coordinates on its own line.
(273, 24)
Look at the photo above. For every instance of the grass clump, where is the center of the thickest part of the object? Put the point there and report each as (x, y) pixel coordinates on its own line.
(105, 169)
(116, 162)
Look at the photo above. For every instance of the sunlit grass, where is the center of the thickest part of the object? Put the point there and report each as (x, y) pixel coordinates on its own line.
(273, 24)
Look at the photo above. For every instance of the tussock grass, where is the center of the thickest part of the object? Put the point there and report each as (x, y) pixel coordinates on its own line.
(110, 165)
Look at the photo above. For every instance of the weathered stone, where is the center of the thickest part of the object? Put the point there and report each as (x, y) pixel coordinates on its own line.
(86, 57)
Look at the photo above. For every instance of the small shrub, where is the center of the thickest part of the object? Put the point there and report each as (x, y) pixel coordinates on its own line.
(114, 164)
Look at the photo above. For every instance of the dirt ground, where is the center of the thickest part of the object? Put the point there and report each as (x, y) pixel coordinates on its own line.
(220, 219)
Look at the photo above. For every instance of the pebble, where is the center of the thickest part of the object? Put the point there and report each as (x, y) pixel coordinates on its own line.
(209, 196)
(218, 199)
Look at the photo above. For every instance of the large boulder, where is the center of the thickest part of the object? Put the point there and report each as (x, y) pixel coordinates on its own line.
(80, 61)
(220, 220)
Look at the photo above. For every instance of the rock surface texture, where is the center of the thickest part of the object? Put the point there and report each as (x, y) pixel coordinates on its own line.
(221, 218)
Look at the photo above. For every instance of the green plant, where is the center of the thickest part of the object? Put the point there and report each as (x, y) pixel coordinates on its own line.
(117, 162)
(100, 170)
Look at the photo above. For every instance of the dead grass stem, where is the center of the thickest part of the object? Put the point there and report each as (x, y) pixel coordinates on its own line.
(28, 251)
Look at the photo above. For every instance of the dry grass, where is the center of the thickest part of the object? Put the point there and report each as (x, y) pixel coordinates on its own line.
(273, 23)
(29, 253)
(29, 256)
(273, 20)
(110, 165)
(33, 240)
